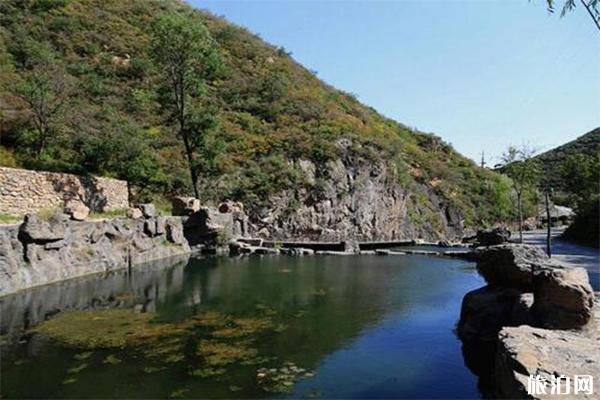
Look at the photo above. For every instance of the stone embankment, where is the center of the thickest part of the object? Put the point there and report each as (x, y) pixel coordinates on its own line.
(40, 251)
(539, 315)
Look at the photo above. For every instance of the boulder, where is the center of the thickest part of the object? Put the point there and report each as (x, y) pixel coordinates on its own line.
(134, 213)
(492, 237)
(34, 229)
(525, 351)
(148, 210)
(77, 210)
(174, 230)
(563, 297)
(183, 206)
(486, 310)
(510, 265)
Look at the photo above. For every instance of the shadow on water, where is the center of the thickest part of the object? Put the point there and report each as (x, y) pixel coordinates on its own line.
(360, 327)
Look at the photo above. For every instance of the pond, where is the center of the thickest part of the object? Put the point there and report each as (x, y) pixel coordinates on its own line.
(254, 327)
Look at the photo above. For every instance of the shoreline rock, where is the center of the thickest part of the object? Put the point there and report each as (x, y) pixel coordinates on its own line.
(526, 294)
(526, 351)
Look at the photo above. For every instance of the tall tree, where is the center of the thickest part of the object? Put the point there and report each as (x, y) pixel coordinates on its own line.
(591, 6)
(188, 59)
(520, 166)
(45, 90)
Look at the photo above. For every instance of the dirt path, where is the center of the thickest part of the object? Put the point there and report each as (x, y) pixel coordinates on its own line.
(569, 253)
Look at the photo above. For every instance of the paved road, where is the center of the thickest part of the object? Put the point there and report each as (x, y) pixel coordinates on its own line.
(569, 253)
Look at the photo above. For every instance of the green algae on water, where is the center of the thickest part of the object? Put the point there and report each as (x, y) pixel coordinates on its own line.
(83, 356)
(107, 328)
(78, 369)
(112, 360)
(216, 353)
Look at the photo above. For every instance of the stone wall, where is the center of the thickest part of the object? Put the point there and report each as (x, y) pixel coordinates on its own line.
(24, 191)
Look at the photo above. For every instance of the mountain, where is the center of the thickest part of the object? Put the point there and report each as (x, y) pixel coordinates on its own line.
(552, 161)
(306, 159)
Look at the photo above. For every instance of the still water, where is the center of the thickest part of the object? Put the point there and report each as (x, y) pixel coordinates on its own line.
(218, 327)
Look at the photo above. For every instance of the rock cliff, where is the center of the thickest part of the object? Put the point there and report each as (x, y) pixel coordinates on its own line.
(356, 198)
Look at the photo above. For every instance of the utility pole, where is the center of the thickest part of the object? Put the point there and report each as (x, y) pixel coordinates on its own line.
(483, 159)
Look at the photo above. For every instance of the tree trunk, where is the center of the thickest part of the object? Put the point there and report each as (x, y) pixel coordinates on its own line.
(190, 158)
(549, 223)
(41, 145)
(520, 209)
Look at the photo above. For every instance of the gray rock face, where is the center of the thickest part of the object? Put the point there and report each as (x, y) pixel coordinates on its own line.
(510, 265)
(524, 351)
(486, 310)
(563, 297)
(40, 252)
(353, 198)
(35, 229)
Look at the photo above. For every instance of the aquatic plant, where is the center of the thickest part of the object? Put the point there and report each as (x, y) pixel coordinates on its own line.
(216, 353)
(107, 328)
(244, 327)
(111, 359)
(78, 369)
(83, 356)
(178, 393)
(280, 380)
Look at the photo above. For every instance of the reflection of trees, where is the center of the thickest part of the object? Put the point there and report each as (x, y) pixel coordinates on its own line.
(147, 285)
(325, 302)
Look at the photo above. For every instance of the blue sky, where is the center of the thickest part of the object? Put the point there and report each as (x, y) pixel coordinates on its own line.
(481, 74)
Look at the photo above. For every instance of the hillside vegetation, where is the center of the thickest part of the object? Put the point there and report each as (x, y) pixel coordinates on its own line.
(268, 111)
(552, 162)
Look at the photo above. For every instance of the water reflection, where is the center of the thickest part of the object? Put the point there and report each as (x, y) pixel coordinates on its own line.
(368, 326)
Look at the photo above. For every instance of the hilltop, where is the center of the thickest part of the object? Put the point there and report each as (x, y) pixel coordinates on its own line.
(305, 158)
(552, 161)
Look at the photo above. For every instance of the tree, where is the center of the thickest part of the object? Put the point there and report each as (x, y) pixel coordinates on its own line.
(188, 58)
(591, 7)
(45, 91)
(519, 165)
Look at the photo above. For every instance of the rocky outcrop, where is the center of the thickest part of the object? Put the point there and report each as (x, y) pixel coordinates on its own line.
(355, 198)
(527, 292)
(510, 265)
(39, 252)
(524, 286)
(525, 351)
